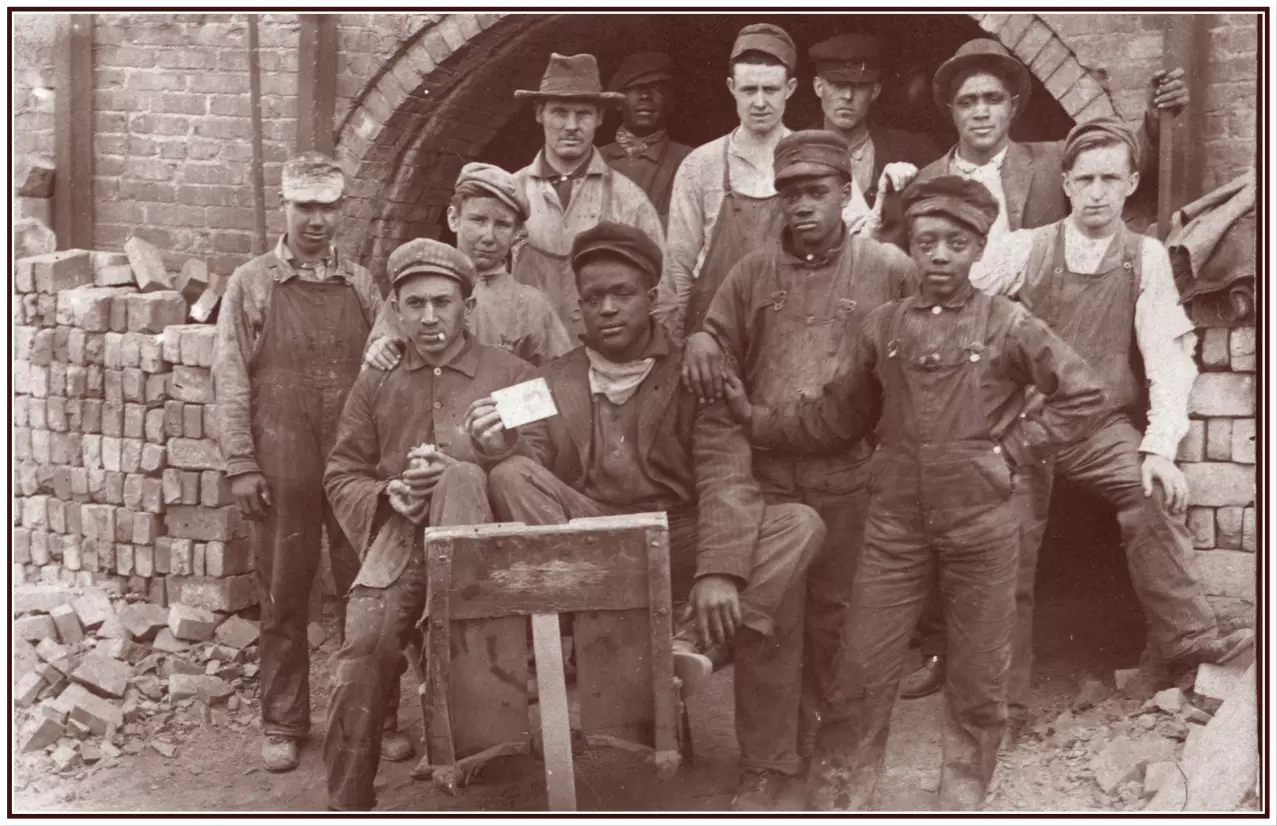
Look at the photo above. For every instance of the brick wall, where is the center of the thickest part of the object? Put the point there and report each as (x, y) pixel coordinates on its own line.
(1218, 456)
(364, 42)
(172, 131)
(32, 102)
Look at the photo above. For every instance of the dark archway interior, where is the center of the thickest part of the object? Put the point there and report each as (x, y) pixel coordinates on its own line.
(913, 46)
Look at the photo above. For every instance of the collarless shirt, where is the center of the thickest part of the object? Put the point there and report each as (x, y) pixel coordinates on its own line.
(989, 174)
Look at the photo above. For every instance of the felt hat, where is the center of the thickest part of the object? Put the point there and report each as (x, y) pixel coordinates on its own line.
(981, 51)
(571, 77)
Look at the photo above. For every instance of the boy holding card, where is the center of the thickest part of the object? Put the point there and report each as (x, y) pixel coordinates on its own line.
(628, 438)
(403, 460)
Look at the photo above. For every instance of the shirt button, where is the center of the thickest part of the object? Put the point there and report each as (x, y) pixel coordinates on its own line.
(997, 449)
(810, 256)
(438, 405)
(438, 372)
(935, 310)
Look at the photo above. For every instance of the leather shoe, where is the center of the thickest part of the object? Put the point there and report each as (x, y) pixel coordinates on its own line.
(758, 791)
(927, 680)
(1218, 651)
(279, 754)
(395, 746)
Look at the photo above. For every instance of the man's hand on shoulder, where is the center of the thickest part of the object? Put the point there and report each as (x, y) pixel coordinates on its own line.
(703, 367)
(384, 353)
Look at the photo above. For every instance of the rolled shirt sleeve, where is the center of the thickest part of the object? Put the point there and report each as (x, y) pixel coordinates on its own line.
(684, 242)
(1165, 336)
(1001, 268)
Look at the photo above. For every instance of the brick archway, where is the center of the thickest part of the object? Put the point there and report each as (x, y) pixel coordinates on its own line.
(445, 94)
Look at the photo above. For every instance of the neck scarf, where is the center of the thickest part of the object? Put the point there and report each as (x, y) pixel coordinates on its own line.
(617, 382)
(635, 145)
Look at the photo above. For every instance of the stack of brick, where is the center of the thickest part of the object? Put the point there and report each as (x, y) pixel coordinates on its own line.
(1218, 457)
(116, 474)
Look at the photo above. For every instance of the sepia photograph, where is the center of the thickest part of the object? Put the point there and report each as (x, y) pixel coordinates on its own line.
(723, 412)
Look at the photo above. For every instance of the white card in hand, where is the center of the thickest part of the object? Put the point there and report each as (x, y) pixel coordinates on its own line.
(524, 403)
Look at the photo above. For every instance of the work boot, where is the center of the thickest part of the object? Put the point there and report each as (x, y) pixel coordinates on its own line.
(927, 680)
(690, 666)
(395, 746)
(1216, 651)
(758, 790)
(279, 753)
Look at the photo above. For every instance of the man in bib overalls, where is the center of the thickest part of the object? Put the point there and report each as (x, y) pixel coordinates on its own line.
(1110, 294)
(724, 203)
(569, 186)
(785, 314)
(943, 375)
(290, 340)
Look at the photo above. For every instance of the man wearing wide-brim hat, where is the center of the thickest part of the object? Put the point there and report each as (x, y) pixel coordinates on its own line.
(984, 87)
(290, 339)
(643, 150)
(569, 185)
(409, 453)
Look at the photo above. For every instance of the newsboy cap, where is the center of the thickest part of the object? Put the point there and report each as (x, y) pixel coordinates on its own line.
(642, 67)
(1088, 130)
(494, 181)
(312, 177)
(848, 58)
(422, 256)
(962, 199)
(622, 241)
(811, 153)
(768, 39)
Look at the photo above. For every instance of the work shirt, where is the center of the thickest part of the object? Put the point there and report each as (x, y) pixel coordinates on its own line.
(695, 201)
(240, 332)
(1163, 331)
(613, 473)
(989, 174)
(316, 271)
(390, 412)
(651, 162)
(928, 342)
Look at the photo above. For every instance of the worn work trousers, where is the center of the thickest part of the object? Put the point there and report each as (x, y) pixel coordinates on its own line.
(379, 624)
(771, 602)
(841, 503)
(974, 546)
(1157, 545)
(286, 551)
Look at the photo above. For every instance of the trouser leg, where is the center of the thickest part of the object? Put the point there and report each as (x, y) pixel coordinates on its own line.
(286, 550)
(897, 569)
(523, 491)
(1157, 543)
(931, 626)
(978, 567)
(1031, 503)
(378, 622)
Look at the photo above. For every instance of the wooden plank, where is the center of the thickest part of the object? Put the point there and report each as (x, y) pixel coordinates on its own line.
(316, 82)
(614, 674)
(556, 734)
(662, 651)
(549, 572)
(73, 131)
(489, 683)
(438, 725)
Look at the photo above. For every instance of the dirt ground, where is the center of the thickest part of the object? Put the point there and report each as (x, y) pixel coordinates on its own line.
(1087, 625)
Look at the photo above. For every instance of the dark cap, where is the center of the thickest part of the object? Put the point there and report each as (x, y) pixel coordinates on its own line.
(811, 153)
(768, 39)
(974, 54)
(1087, 131)
(642, 67)
(621, 241)
(426, 255)
(848, 58)
(964, 200)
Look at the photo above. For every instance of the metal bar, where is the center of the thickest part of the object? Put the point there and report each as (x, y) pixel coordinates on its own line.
(1179, 140)
(259, 177)
(73, 132)
(316, 82)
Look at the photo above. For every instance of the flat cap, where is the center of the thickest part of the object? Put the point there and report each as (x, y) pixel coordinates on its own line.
(981, 52)
(642, 67)
(1086, 133)
(312, 177)
(426, 255)
(962, 199)
(495, 181)
(811, 153)
(620, 240)
(848, 58)
(768, 39)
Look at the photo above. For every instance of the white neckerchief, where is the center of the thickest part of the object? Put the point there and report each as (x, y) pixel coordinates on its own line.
(616, 382)
(989, 174)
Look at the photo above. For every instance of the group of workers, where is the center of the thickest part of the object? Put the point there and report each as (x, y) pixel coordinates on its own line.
(801, 346)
